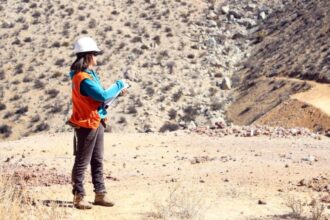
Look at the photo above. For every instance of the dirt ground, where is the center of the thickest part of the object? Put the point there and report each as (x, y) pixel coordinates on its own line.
(209, 177)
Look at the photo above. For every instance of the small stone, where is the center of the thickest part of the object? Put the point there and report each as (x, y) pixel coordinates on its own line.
(212, 23)
(212, 16)
(226, 83)
(326, 199)
(263, 15)
(302, 182)
(225, 9)
(260, 202)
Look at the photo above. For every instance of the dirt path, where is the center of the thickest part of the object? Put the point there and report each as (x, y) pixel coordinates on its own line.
(318, 96)
(214, 178)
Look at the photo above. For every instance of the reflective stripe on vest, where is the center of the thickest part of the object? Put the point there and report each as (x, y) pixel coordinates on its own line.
(84, 108)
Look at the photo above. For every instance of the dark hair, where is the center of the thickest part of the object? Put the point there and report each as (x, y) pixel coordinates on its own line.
(82, 61)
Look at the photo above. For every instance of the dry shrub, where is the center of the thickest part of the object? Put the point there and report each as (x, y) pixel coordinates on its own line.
(296, 205)
(18, 202)
(180, 204)
(300, 208)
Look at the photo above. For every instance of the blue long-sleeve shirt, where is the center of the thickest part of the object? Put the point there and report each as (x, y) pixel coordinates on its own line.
(94, 89)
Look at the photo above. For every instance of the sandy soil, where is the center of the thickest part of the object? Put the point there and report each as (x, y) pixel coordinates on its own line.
(217, 178)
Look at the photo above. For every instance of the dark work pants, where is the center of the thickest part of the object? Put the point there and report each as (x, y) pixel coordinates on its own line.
(88, 149)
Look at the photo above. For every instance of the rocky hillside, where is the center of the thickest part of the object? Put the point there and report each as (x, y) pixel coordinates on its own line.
(175, 54)
(179, 56)
(291, 50)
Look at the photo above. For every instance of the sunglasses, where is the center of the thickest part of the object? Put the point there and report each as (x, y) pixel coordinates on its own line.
(96, 53)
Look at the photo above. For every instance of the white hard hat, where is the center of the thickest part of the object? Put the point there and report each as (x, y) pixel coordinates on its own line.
(85, 44)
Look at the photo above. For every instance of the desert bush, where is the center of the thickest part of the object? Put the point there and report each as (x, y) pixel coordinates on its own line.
(114, 12)
(2, 106)
(2, 74)
(8, 115)
(19, 68)
(168, 126)
(5, 25)
(5, 131)
(16, 82)
(65, 44)
(167, 87)
(136, 39)
(213, 91)
(60, 62)
(33, 5)
(296, 206)
(122, 120)
(15, 98)
(35, 119)
(38, 84)
(172, 114)
(150, 91)
(81, 17)
(215, 106)
(56, 75)
(52, 93)
(22, 110)
(144, 47)
(69, 11)
(42, 127)
(121, 45)
(56, 109)
(56, 44)
(36, 14)
(21, 20)
(108, 28)
(16, 42)
(176, 96)
(157, 39)
(25, 27)
(190, 113)
(317, 210)
(92, 23)
(191, 56)
(131, 109)
(27, 40)
(180, 204)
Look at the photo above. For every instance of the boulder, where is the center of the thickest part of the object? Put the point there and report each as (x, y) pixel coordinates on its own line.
(262, 15)
(226, 83)
(212, 16)
(225, 9)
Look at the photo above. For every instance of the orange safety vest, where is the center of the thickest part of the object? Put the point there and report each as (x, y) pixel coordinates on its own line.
(84, 108)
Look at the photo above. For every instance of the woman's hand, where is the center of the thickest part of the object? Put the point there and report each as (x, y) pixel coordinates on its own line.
(123, 92)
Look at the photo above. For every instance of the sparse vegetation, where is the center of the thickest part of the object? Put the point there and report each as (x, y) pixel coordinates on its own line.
(22, 110)
(169, 126)
(43, 126)
(5, 131)
(2, 106)
(180, 204)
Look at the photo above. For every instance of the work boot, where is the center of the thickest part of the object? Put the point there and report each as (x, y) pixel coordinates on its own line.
(102, 200)
(79, 203)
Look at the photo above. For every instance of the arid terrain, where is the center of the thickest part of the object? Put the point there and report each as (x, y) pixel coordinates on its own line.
(227, 116)
(180, 175)
(186, 61)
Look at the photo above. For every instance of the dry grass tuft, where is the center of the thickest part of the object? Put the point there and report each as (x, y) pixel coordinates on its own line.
(18, 203)
(180, 204)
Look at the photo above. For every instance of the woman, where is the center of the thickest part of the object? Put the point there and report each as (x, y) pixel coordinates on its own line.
(88, 119)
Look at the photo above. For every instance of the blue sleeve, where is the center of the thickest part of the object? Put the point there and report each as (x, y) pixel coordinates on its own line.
(95, 91)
